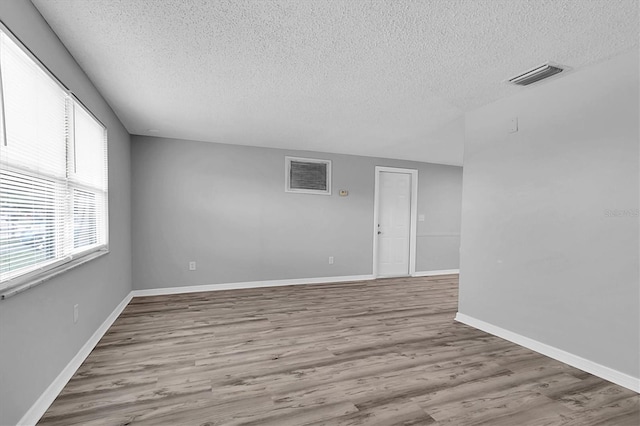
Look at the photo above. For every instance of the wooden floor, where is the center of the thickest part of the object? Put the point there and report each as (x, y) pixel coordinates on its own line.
(384, 352)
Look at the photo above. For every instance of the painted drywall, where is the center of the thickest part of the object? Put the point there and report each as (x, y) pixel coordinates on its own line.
(224, 207)
(37, 335)
(550, 214)
(439, 201)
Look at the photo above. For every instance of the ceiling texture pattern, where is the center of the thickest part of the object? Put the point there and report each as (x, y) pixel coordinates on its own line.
(377, 78)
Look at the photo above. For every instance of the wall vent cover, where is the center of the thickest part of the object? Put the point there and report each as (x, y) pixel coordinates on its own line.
(536, 74)
(308, 175)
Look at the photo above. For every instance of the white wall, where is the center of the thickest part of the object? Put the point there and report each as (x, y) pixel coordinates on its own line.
(225, 207)
(542, 255)
(37, 335)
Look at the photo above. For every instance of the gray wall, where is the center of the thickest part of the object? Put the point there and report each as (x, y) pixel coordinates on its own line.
(542, 253)
(225, 207)
(440, 201)
(37, 335)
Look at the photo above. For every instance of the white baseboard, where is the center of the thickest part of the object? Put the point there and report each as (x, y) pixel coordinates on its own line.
(435, 273)
(41, 405)
(576, 361)
(248, 284)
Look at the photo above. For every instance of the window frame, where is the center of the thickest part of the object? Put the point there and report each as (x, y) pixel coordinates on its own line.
(287, 175)
(48, 269)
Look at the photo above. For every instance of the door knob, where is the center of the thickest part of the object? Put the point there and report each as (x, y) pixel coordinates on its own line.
(379, 232)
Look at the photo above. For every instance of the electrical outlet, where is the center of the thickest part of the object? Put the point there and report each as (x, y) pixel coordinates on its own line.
(76, 313)
(330, 260)
(192, 265)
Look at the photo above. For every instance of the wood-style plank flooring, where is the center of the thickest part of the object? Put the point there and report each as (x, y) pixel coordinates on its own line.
(384, 352)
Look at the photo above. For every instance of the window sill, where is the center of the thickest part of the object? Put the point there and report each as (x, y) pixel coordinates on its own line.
(41, 277)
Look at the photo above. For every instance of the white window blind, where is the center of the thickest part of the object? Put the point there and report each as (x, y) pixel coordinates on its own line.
(53, 171)
(88, 181)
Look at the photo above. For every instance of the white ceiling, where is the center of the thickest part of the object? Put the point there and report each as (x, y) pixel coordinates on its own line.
(377, 78)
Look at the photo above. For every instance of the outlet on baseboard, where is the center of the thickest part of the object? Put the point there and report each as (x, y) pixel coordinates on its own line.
(192, 265)
(330, 260)
(76, 313)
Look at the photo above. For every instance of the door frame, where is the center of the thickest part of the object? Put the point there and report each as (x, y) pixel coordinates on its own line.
(414, 213)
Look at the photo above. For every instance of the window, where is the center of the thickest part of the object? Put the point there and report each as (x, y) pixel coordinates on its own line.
(307, 175)
(53, 172)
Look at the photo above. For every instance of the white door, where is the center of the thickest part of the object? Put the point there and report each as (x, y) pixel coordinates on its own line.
(394, 223)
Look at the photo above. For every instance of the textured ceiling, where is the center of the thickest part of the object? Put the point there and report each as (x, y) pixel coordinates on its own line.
(377, 78)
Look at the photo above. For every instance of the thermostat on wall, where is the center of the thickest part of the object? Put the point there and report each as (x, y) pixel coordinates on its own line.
(344, 192)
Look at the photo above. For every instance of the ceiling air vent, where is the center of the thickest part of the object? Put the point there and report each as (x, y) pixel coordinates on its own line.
(535, 74)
